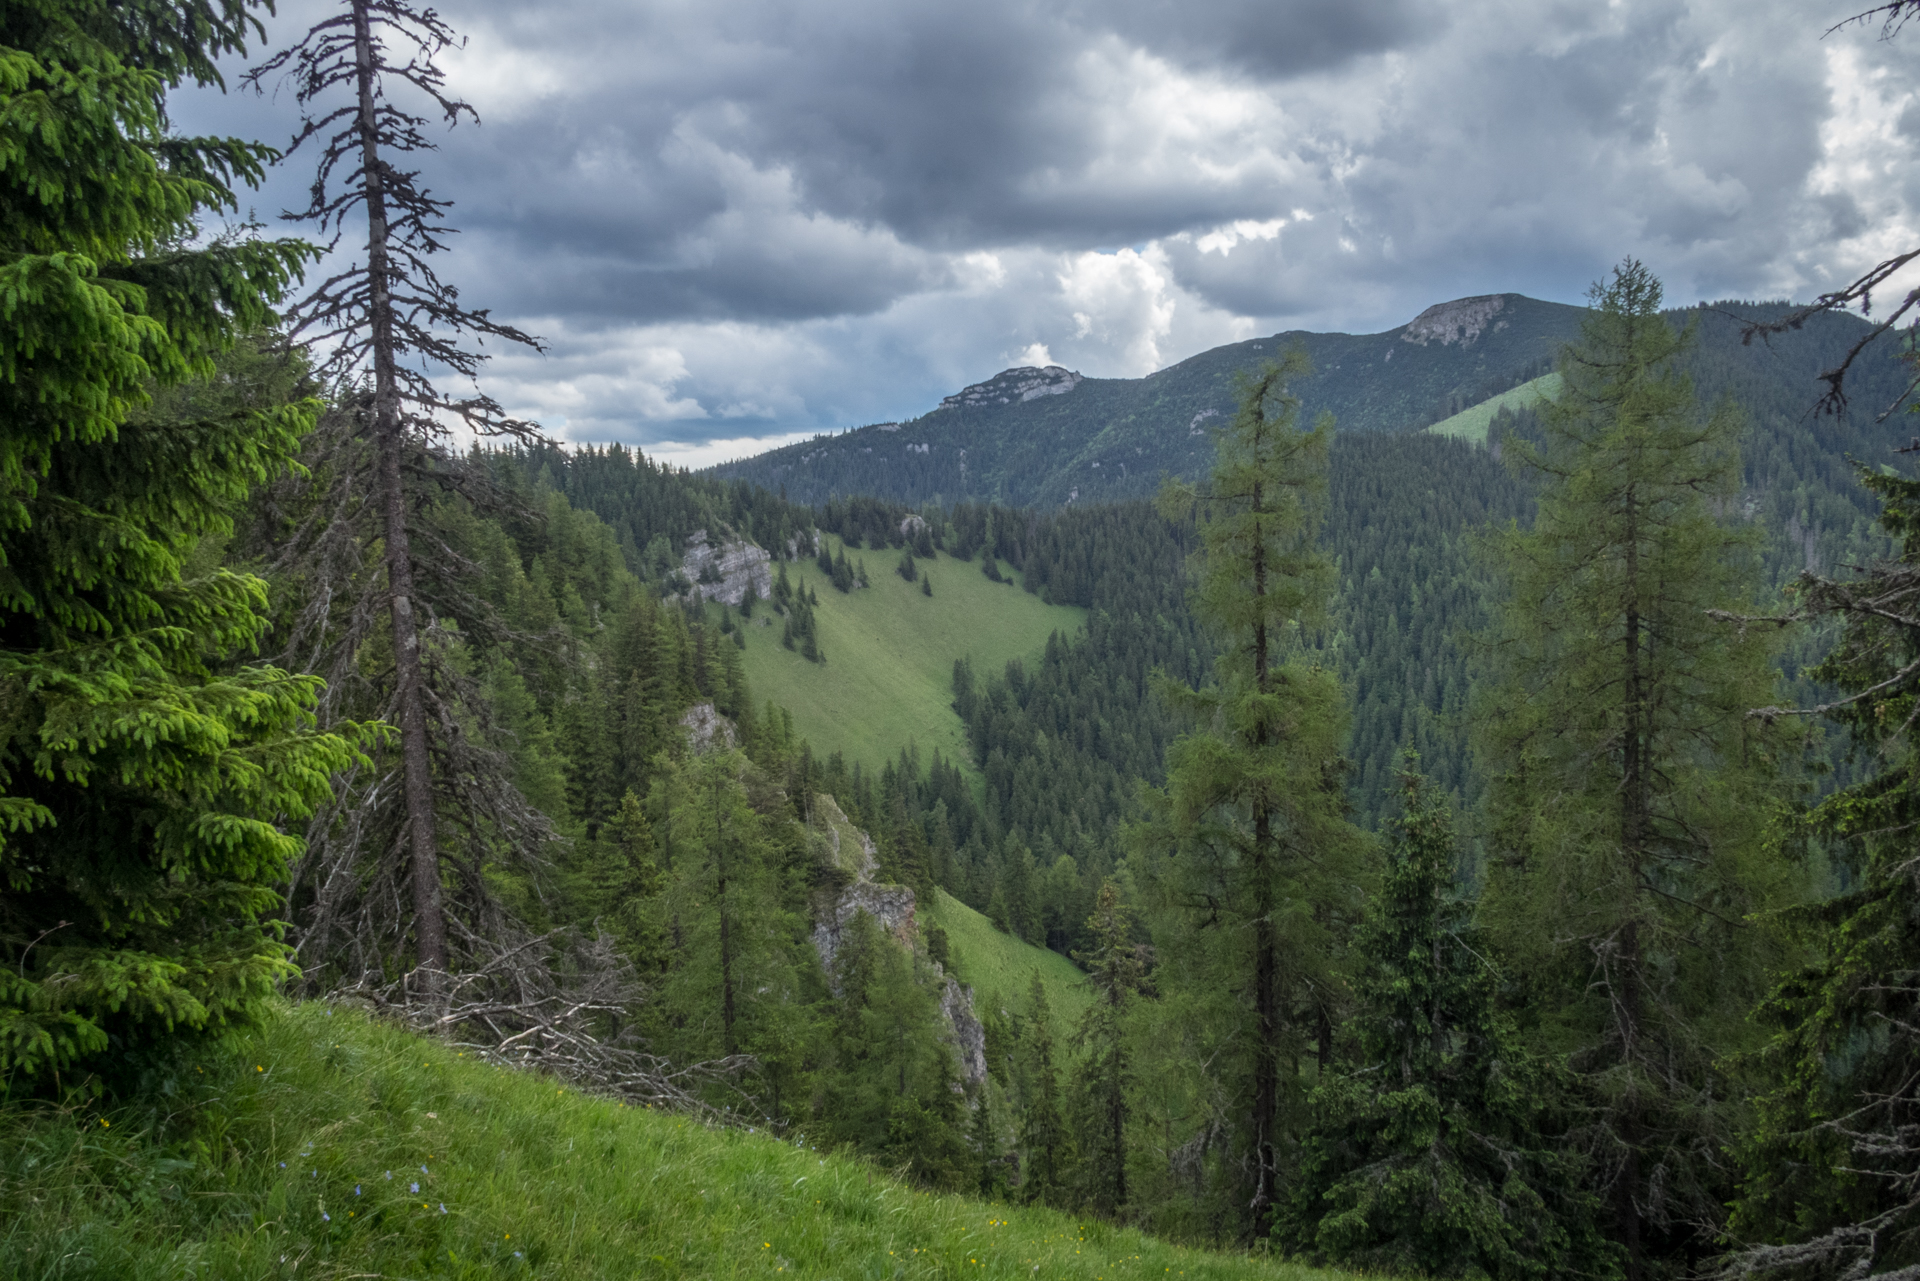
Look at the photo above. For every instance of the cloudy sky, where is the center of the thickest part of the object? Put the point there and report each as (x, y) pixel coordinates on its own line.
(734, 223)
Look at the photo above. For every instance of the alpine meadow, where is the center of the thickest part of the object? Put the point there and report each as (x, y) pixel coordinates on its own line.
(508, 770)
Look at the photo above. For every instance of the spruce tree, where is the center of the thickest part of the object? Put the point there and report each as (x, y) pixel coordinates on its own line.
(1430, 1154)
(1831, 1173)
(1045, 1142)
(143, 774)
(890, 1092)
(1104, 1079)
(1629, 792)
(1251, 862)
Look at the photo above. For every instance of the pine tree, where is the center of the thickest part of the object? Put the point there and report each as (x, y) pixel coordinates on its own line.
(1831, 1173)
(142, 775)
(1104, 1081)
(1044, 1139)
(1429, 1156)
(1248, 853)
(1630, 792)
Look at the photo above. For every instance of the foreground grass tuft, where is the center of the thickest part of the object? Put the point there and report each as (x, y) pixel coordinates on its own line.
(343, 1148)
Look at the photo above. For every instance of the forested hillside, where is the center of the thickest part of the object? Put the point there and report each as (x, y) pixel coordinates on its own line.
(1401, 850)
(1030, 438)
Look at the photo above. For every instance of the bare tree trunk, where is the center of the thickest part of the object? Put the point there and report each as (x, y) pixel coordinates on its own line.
(430, 928)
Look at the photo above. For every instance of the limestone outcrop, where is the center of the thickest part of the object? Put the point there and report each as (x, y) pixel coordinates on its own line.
(892, 907)
(722, 571)
(707, 730)
(1461, 321)
(1012, 385)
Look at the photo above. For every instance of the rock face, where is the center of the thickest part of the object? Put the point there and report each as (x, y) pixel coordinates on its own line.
(1461, 321)
(1011, 385)
(892, 908)
(735, 564)
(707, 730)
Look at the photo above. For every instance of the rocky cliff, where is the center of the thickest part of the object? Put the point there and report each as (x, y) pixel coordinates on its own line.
(1011, 386)
(892, 908)
(1461, 321)
(721, 571)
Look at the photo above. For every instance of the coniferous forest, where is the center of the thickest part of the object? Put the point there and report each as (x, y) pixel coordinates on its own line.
(1417, 856)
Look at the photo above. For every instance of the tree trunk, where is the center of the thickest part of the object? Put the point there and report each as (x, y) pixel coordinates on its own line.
(1266, 951)
(1634, 820)
(429, 927)
(726, 932)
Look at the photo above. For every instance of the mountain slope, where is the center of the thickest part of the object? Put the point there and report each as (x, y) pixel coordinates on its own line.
(1049, 437)
(1471, 424)
(890, 650)
(328, 1145)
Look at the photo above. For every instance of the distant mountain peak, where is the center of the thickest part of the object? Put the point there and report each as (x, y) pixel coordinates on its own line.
(1461, 320)
(1011, 385)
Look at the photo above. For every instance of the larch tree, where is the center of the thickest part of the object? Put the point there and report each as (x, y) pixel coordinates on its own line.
(1248, 855)
(383, 324)
(1629, 793)
(143, 770)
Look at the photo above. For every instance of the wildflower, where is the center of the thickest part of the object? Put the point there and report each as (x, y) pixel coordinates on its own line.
(356, 1189)
(389, 1174)
(443, 1207)
(104, 1122)
(413, 1187)
(258, 1068)
(325, 1217)
(423, 1169)
(283, 1165)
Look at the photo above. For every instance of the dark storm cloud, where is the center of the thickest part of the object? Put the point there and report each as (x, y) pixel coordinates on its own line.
(1262, 38)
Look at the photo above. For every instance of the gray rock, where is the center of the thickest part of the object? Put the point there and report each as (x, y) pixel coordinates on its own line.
(1461, 321)
(707, 730)
(1011, 385)
(735, 561)
(892, 907)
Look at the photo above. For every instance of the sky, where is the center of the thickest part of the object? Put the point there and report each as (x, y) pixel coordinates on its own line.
(739, 224)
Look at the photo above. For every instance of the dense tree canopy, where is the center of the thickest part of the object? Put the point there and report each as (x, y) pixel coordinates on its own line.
(144, 775)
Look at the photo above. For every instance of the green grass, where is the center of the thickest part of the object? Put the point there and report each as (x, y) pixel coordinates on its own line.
(1000, 967)
(249, 1170)
(890, 651)
(1472, 424)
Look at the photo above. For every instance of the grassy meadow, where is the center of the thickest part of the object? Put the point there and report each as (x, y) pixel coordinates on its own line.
(890, 649)
(999, 967)
(1472, 424)
(330, 1146)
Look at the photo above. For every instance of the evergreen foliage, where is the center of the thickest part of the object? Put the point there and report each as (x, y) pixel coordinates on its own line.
(1105, 1080)
(1046, 1143)
(1629, 791)
(893, 1091)
(1247, 852)
(144, 774)
(1831, 1170)
(1432, 1152)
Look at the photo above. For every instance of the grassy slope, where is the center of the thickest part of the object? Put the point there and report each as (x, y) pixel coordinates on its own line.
(536, 1181)
(1000, 967)
(890, 651)
(1471, 424)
